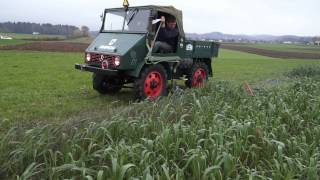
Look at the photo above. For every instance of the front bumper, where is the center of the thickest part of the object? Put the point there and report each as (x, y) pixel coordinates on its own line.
(84, 67)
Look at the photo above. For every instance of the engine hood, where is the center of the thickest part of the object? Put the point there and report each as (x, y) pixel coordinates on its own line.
(114, 43)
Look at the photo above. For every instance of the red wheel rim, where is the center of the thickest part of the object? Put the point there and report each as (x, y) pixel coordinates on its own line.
(199, 77)
(153, 85)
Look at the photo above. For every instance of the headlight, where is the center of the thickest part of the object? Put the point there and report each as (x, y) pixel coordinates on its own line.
(116, 61)
(88, 57)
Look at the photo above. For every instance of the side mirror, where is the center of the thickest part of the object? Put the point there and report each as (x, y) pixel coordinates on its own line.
(101, 16)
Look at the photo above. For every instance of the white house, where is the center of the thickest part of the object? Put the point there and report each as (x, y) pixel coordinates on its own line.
(5, 37)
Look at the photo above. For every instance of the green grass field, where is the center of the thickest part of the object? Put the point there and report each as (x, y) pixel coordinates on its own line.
(44, 87)
(53, 125)
(239, 66)
(5, 42)
(27, 38)
(40, 86)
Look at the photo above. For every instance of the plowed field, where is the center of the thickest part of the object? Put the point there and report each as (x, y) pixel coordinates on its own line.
(80, 47)
(272, 53)
(49, 47)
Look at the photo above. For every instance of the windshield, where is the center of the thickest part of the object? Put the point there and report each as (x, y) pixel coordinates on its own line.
(135, 20)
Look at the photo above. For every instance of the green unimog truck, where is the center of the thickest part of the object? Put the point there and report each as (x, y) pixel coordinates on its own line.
(121, 54)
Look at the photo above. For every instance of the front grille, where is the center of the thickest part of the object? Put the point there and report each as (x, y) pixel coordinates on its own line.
(98, 58)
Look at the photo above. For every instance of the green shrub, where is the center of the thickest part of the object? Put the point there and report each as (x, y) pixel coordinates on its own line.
(305, 71)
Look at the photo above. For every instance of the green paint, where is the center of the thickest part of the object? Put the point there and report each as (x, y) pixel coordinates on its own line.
(133, 50)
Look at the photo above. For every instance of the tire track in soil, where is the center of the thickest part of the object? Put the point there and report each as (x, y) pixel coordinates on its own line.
(271, 53)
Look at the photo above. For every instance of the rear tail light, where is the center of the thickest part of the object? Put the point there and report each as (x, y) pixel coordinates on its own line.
(88, 57)
(116, 61)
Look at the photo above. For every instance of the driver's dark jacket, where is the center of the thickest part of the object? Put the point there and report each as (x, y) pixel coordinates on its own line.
(169, 36)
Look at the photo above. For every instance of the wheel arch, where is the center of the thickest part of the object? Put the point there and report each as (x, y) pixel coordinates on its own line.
(168, 69)
(136, 73)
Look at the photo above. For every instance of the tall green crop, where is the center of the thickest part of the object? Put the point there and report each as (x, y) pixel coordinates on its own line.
(219, 132)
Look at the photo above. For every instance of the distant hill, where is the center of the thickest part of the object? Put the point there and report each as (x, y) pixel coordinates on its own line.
(239, 37)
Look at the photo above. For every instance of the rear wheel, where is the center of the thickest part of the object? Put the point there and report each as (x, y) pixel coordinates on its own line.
(198, 75)
(106, 85)
(152, 83)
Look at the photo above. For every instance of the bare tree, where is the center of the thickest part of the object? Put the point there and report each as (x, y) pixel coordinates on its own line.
(76, 33)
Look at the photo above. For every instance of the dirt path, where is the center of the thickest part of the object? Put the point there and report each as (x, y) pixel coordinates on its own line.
(272, 53)
(80, 47)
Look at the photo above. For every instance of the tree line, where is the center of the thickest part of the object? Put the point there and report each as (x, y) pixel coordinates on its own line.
(46, 28)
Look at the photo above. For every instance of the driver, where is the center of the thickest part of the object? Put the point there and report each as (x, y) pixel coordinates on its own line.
(168, 36)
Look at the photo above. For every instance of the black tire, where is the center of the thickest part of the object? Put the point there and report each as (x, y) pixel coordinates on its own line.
(197, 75)
(152, 83)
(106, 85)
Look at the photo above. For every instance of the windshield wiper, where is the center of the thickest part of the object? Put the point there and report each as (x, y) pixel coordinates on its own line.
(133, 14)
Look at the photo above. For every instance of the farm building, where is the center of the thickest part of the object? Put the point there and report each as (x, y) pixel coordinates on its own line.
(316, 41)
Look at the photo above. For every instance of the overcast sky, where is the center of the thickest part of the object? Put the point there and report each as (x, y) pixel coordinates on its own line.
(277, 17)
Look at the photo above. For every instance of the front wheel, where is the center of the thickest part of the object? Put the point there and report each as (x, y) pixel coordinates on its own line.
(106, 85)
(152, 83)
(198, 75)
